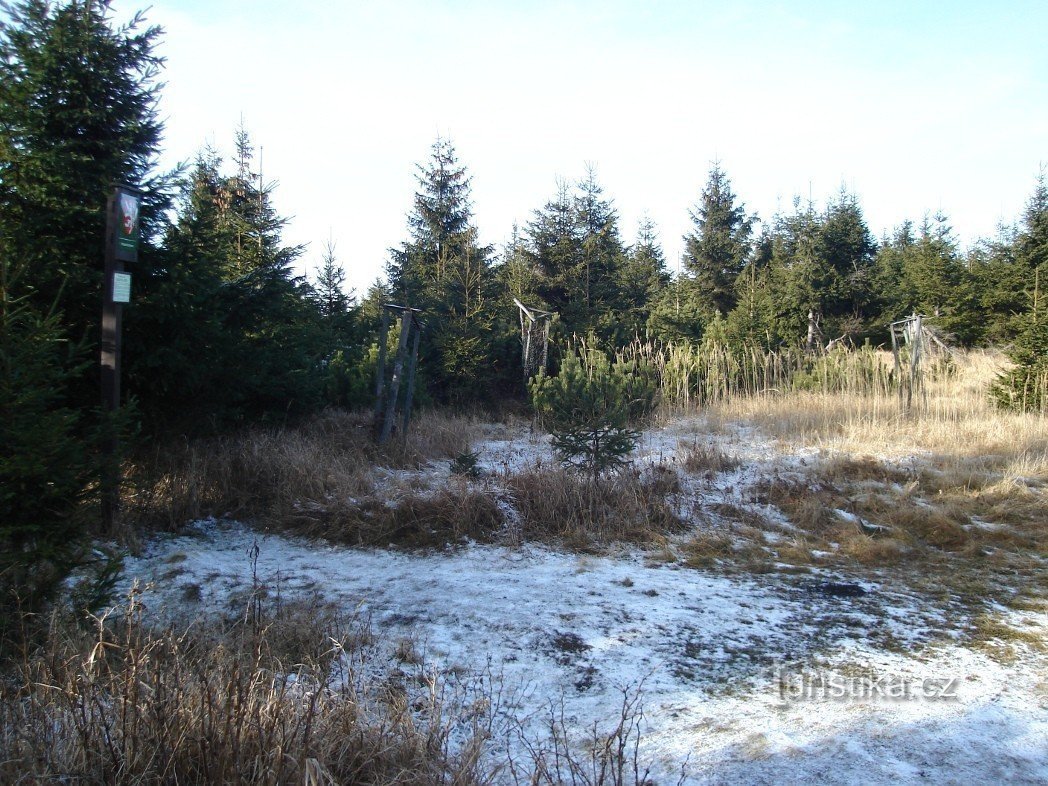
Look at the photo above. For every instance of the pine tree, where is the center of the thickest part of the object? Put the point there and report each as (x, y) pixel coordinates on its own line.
(715, 251)
(590, 407)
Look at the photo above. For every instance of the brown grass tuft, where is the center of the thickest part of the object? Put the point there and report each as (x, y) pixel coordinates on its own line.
(708, 460)
(558, 504)
(706, 549)
(317, 476)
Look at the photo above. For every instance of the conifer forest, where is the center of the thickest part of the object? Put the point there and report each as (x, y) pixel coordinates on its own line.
(631, 485)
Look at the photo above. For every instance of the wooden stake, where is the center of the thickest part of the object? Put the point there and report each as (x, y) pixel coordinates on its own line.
(380, 369)
(409, 396)
(398, 371)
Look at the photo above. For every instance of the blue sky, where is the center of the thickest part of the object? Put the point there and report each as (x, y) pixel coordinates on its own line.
(914, 106)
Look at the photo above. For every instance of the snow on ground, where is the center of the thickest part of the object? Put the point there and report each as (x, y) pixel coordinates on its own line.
(727, 667)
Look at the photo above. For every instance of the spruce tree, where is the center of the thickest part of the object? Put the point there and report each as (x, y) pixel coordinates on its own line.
(555, 246)
(444, 270)
(642, 278)
(1031, 244)
(796, 276)
(846, 251)
(45, 467)
(78, 112)
(577, 251)
(226, 285)
(1024, 387)
(715, 251)
(330, 285)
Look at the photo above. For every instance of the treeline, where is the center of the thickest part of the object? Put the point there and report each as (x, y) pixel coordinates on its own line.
(223, 331)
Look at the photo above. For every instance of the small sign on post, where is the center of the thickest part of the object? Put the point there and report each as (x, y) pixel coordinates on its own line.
(121, 287)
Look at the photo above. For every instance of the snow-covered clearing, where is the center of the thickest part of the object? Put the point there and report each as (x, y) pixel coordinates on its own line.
(726, 665)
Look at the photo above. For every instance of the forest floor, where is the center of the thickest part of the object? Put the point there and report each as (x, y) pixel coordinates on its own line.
(827, 612)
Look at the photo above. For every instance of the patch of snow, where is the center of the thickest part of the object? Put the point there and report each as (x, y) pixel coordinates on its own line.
(703, 648)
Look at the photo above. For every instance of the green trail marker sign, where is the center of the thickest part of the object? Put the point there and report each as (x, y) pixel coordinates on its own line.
(127, 206)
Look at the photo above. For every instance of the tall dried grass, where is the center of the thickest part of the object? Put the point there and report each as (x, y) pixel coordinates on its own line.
(131, 705)
(954, 425)
(320, 470)
(696, 375)
(560, 505)
(125, 703)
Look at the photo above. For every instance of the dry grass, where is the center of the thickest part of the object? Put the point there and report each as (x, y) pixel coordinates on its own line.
(131, 705)
(282, 693)
(954, 481)
(706, 549)
(318, 477)
(707, 459)
(452, 514)
(558, 504)
(955, 421)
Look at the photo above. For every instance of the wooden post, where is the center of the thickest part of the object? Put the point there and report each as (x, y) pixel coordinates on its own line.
(898, 362)
(915, 354)
(112, 318)
(409, 396)
(380, 369)
(121, 245)
(394, 384)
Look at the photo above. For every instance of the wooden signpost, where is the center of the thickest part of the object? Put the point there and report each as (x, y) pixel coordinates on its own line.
(121, 245)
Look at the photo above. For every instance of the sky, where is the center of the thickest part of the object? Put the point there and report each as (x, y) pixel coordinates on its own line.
(915, 107)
